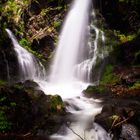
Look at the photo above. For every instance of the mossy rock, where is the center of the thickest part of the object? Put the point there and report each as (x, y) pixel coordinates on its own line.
(56, 104)
(108, 76)
(97, 92)
(26, 109)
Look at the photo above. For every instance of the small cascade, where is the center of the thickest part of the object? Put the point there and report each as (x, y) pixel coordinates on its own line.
(97, 52)
(7, 67)
(29, 67)
(80, 125)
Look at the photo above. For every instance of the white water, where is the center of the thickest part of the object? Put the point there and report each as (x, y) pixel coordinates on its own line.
(29, 67)
(71, 42)
(71, 71)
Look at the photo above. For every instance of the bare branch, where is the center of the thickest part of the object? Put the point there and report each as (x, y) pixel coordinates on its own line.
(76, 133)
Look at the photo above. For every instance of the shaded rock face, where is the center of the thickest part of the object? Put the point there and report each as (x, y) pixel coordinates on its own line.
(123, 11)
(130, 132)
(8, 59)
(44, 45)
(29, 110)
(36, 6)
(120, 114)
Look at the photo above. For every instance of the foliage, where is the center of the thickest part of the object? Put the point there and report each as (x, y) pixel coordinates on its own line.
(124, 38)
(2, 83)
(13, 9)
(23, 42)
(108, 75)
(5, 124)
(135, 86)
(57, 25)
(95, 89)
(56, 103)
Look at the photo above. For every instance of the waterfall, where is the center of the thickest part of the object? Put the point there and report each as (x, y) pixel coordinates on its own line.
(96, 51)
(78, 48)
(29, 67)
(81, 45)
(71, 42)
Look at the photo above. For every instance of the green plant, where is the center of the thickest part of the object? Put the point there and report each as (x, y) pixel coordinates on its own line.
(135, 86)
(2, 83)
(95, 89)
(57, 24)
(108, 75)
(123, 37)
(5, 125)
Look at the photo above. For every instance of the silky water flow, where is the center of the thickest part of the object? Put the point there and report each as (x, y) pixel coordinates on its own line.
(70, 73)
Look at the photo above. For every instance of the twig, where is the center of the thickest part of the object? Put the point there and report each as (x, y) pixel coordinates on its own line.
(75, 133)
(122, 122)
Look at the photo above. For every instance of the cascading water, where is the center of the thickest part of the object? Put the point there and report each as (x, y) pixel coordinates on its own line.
(71, 71)
(29, 67)
(85, 69)
(72, 68)
(72, 38)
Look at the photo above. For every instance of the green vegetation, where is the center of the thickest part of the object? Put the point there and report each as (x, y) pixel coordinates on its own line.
(136, 85)
(56, 103)
(24, 43)
(2, 83)
(108, 76)
(13, 9)
(123, 37)
(95, 89)
(5, 125)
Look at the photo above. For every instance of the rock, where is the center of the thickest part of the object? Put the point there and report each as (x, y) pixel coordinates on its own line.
(26, 109)
(30, 84)
(8, 59)
(44, 44)
(130, 132)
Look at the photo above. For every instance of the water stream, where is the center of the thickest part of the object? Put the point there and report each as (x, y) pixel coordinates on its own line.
(29, 67)
(71, 71)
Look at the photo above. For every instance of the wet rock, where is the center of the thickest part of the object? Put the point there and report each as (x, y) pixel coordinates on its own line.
(130, 132)
(44, 44)
(30, 84)
(8, 59)
(29, 110)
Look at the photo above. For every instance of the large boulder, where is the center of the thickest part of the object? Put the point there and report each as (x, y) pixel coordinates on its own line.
(25, 109)
(8, 59)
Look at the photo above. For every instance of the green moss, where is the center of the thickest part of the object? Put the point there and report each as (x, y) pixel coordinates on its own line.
(124, 37)
(3, 83)
(13, 9)
(56, 103)
(57, 25)
(108, 75)
(95, 89)
(136, 85)
(24, 43)
(5, 125)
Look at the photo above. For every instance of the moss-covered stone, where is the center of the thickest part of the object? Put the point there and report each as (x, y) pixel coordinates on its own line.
(21, 103)
(108, 76)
